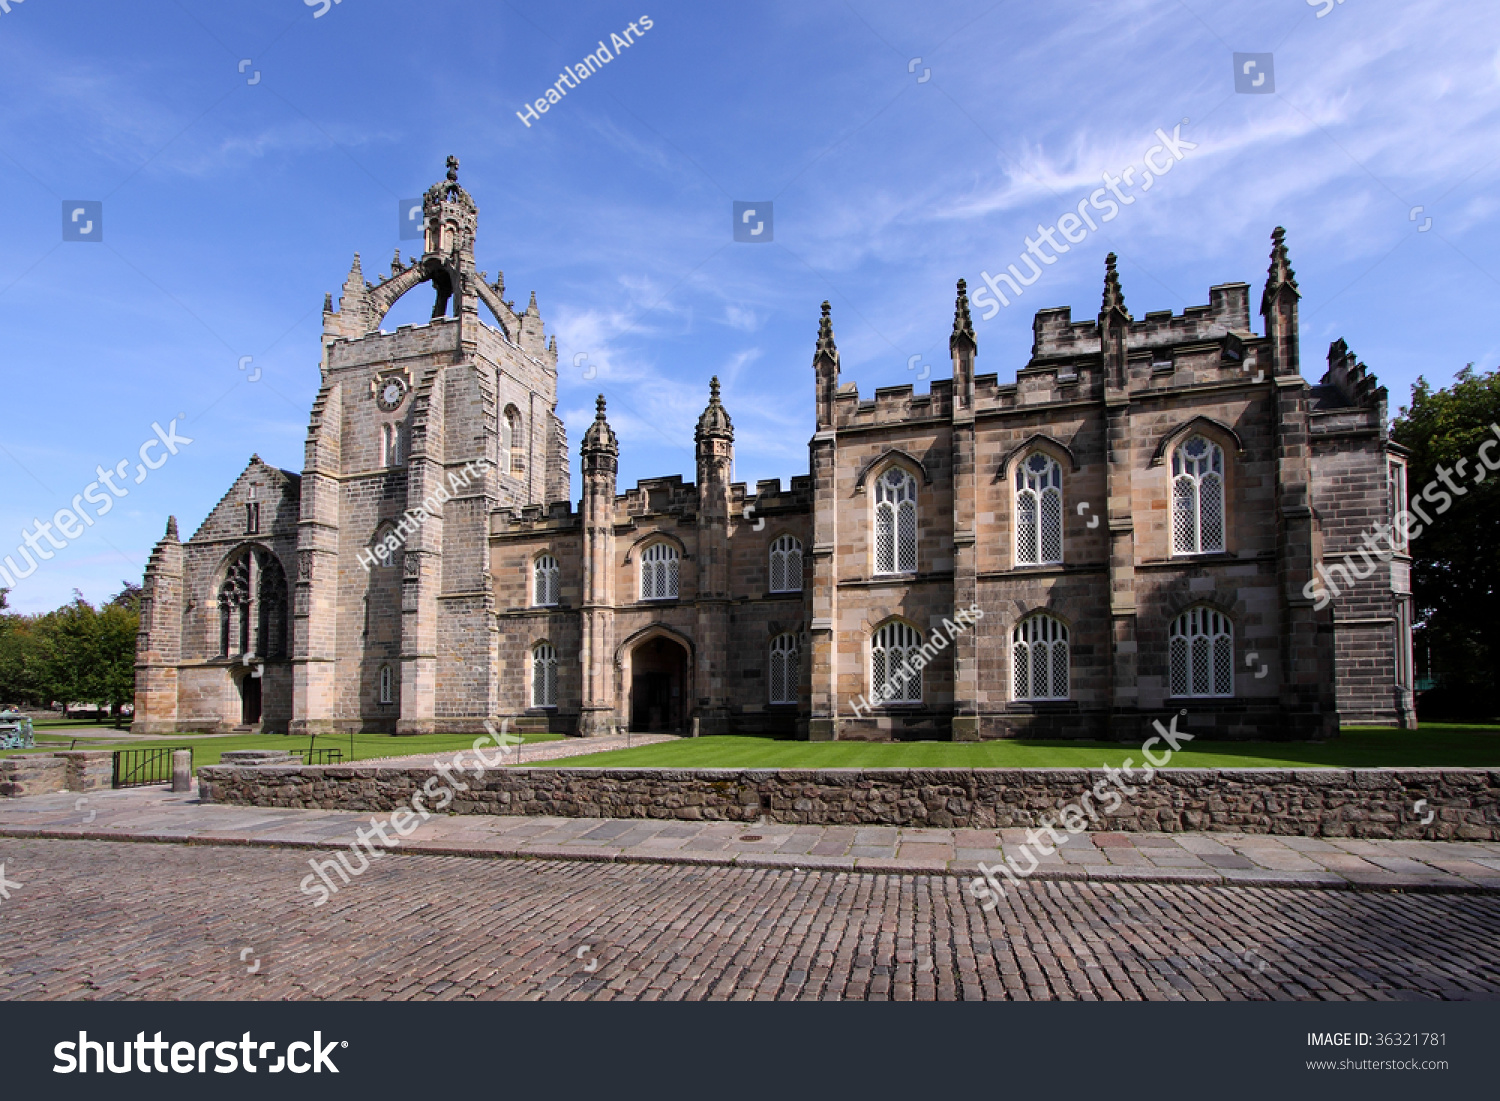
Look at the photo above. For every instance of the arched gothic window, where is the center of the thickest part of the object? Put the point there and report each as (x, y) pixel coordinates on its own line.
(896, 522)
(786, 565)
(659, 572)
(543, 675)
(252, 606)
(892, 679)
(1039, 511)
(514, 445)
(1039, 659)
(784, 669)
(1201, 654)
(1197, 497)
(544, 585)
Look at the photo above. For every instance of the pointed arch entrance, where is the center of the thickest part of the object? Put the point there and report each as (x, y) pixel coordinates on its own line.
(656, 674)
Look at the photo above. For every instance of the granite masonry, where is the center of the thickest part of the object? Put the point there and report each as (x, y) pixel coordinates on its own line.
(1319, 802)
(1138, 515)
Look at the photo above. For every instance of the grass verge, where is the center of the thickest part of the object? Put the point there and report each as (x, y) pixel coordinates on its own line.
(1357, 747)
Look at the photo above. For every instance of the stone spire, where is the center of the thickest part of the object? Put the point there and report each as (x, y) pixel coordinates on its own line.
(353, 297)
(714, 423)
(1114, 297)
(1278, 305)
(171, 529)
(825, 345)
(963, 326)
(1281, 273)
(531, 309)
(826, 371)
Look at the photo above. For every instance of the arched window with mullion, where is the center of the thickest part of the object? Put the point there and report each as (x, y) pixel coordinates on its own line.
(1200, 654)
(1039, 511)
(1039, 659)
(896, 521)
(785, 675)
(544, 581)
(892, 677)
(543, 675)
(1197, 497)
(659, 572)
(786, 565)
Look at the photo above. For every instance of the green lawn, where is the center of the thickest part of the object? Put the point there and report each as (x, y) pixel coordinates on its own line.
(1356, 747)
(206, 749)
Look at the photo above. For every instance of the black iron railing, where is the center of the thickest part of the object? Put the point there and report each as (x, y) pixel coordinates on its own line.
(136, 768)
(323, 757)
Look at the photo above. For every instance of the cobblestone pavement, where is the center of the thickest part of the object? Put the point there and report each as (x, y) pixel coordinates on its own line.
(1245, 859)
(91, 919)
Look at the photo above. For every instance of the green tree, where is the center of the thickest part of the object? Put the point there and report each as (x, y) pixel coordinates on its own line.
(75, 654)
(114, 650)
(1456, 558)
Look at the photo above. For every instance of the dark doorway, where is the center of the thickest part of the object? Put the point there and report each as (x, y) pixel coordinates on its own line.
(249, 700)
(658, 686)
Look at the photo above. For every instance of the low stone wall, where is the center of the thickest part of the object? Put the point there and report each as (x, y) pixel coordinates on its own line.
(45, 773)
(89, 769)
(33, 774)
(1377, 803)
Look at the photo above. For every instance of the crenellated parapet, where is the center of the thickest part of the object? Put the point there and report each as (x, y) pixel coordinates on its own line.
(669, 496)
(892, 405)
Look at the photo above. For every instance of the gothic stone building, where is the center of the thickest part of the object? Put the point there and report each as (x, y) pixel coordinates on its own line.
(1139, 516)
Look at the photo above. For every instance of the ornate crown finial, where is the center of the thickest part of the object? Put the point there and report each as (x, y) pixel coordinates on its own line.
(599, 437)
(715, 420)
(453, 168)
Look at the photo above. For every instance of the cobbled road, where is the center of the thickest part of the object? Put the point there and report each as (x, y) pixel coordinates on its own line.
(128, 920)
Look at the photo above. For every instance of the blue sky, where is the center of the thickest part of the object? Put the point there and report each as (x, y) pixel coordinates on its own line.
(231, 207)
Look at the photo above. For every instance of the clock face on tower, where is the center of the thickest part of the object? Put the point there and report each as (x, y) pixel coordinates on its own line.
(391, 393)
